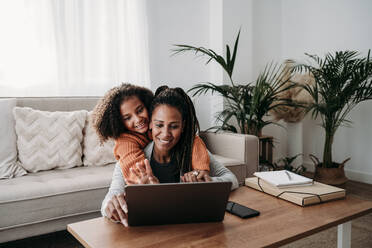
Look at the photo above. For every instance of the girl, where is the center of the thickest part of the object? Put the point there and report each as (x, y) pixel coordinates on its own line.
(173, 128)
(122, 114)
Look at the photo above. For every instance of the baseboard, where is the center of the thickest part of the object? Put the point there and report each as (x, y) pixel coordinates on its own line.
(359, 176)
(353, 175)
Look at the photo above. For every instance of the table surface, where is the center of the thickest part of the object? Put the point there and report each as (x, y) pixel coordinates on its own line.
(279, 223)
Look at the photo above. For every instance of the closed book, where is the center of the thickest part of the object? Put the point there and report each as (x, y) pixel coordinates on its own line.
(300, 195)
(283, 178)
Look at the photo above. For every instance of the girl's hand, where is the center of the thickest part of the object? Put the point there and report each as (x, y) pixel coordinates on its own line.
(196, 176)
(142, 174)
(203, 176)
(117, 210)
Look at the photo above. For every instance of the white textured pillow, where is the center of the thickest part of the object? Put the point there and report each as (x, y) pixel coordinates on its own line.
(48, 140)
(9, 167)
(94, 153)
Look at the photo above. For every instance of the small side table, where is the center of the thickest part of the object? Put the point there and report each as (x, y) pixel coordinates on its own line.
(266, 149)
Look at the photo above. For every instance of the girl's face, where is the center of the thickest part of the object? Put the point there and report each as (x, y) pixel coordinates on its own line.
(134, 114)
(166, 124)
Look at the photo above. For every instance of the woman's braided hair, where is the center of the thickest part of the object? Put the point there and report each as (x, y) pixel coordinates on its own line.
(177, 98)
(106, 117)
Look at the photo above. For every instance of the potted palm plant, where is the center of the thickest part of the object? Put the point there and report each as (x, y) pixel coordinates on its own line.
(246, 104)
(342, 80)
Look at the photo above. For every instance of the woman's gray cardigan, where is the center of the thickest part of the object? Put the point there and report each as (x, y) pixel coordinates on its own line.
(218, 173)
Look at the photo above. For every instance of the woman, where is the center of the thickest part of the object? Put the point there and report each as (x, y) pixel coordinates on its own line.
(173, 126)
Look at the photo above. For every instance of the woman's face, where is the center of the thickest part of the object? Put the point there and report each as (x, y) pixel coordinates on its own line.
(166, 124)
(134, 114)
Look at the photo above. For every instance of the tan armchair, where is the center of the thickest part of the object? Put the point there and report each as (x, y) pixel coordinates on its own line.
(238, 152)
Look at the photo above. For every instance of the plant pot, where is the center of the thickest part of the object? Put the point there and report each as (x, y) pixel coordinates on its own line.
(332, 176)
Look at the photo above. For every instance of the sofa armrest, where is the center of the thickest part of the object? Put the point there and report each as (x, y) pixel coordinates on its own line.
(242, 147)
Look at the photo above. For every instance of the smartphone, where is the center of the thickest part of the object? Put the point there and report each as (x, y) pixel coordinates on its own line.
(240, 210)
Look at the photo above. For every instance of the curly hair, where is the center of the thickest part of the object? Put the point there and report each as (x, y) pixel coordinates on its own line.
(106, 117)
(177, 98)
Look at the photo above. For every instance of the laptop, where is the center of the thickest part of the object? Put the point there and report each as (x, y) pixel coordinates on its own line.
(174, 203)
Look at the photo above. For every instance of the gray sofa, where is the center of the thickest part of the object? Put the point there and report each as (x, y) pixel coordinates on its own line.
(47, 201)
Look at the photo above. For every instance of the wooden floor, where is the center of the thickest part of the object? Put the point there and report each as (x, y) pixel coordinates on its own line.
(64, 240)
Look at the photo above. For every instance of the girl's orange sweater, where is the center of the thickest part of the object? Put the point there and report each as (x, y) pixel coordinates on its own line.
(129, 147)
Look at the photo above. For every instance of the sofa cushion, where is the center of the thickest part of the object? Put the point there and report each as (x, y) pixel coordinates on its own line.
(95, 154)
(47, 140)
(9, 166)
(53, 194)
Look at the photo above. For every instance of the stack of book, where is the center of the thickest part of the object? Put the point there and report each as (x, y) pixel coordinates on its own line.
(292, 187)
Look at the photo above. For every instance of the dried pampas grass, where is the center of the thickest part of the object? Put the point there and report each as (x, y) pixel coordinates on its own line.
(296, 94)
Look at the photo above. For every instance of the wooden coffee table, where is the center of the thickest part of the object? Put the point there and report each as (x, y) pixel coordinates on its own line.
(280, 223)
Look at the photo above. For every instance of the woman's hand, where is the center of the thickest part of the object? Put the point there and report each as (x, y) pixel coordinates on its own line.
(142, 174)
(196, 176)
(117, 209)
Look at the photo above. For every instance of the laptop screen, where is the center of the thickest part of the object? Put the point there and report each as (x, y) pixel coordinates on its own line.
(171, 203)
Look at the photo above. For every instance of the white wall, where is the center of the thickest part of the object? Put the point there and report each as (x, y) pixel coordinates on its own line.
(266, 34)
(178, 22)
(266, 49)
(272, 30)
(317, 27)
(189, 22)
(237, 14)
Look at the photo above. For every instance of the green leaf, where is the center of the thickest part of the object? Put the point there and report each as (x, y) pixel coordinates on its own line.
(235, 52)
(228, 58)
(226, 63)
